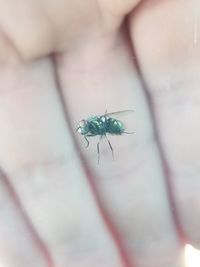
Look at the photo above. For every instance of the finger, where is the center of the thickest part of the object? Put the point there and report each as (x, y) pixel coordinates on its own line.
(170, 65)
(39, 159)
(131, 189)
(31, 251)
(44, 22)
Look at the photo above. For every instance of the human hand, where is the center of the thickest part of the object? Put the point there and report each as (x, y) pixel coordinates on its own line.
(62, 61)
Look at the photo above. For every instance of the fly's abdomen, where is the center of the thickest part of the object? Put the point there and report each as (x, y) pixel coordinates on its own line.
(114, 126)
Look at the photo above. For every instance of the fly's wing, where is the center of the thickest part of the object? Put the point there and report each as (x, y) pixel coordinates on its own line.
(125, 116)
(120, 113)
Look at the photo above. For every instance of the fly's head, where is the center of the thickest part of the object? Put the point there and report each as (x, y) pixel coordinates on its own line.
(83, 127)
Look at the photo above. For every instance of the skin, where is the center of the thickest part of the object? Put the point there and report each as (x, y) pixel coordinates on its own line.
(62, 61)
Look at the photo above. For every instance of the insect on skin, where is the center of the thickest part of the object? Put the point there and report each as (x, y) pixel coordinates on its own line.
(102, 125)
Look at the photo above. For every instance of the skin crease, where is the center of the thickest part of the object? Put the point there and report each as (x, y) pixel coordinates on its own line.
(91, 53)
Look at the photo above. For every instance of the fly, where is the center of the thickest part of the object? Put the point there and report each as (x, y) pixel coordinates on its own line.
(103, 125)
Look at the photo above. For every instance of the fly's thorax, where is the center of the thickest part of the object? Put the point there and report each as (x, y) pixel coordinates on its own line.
(97, 125)
(115, 126)
(83, 127)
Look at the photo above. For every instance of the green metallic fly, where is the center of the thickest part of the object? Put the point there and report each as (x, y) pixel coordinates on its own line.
(103, 125)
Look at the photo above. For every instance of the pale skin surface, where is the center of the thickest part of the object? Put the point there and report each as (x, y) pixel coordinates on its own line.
(56, 221)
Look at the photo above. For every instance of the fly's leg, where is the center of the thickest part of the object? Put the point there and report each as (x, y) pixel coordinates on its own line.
(98, 147)
(111, 148)
(87, 139)
(98, 151)
(87, 145)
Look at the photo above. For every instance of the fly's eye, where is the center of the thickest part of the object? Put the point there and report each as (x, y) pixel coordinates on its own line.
(82, 123)
(82, 126)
